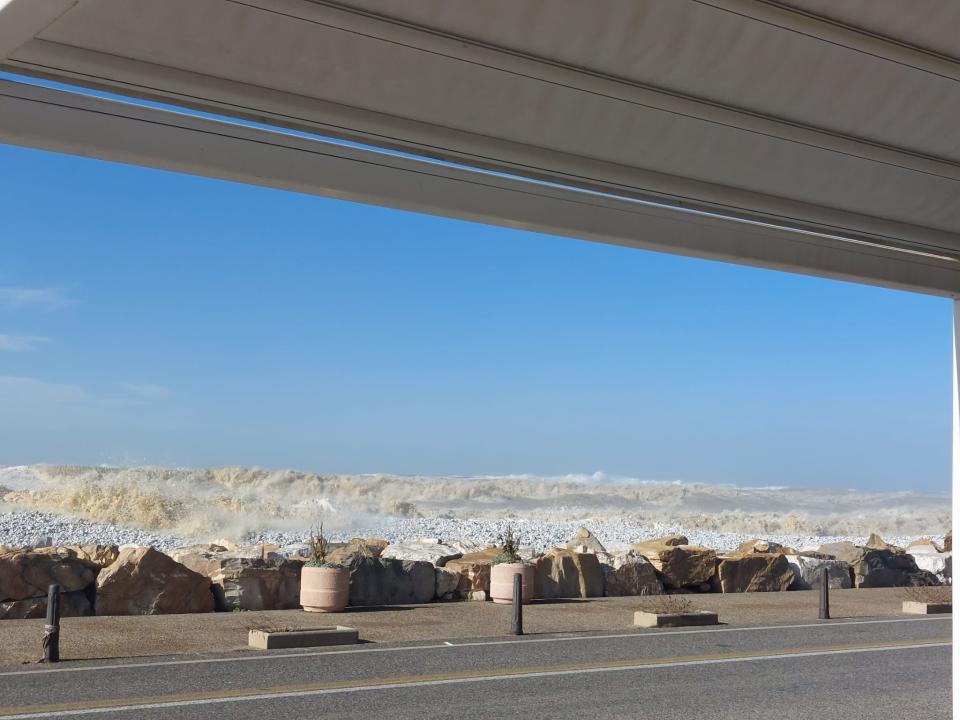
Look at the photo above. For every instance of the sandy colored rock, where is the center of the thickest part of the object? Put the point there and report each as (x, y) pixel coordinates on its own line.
(474, 569)
(357, 547)
(99, 555)
(436, 554)
(923, 545)
(26, 574)
(758, 546)
(875, 542)
(144, 581)
(630, 573)
(669, 540)
(208, 548)
(585, 541)
(567, 574)
(680, 566)
(948, 541)
(754, 572)
(382, 581)
(246, 583)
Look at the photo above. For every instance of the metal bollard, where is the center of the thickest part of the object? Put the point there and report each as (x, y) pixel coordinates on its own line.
(517, 625)
(825, 594)
(51, 631)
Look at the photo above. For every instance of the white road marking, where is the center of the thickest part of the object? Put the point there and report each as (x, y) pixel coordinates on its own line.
(468, 643)
(456, 681)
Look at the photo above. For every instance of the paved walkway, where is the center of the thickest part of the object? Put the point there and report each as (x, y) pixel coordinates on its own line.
(109, 637)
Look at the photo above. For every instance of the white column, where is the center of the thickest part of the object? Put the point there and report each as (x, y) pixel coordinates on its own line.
(955, 491)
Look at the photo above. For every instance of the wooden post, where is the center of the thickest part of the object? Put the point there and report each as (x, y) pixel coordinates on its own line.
(51, 631)
(517, 625)
(825, 594)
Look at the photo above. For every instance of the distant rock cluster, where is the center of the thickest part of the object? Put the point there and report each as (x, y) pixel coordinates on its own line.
(143, 580)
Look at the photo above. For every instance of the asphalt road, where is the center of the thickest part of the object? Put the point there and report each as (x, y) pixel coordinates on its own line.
(876, 669)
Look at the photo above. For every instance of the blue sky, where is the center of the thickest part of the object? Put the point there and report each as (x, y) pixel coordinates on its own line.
(153, 318)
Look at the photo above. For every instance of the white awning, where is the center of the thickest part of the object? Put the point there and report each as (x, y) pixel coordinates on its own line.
(835, 119)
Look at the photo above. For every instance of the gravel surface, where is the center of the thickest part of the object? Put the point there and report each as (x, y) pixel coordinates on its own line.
(26, 528)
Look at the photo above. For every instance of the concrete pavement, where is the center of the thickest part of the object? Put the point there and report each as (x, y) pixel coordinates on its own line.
(864, 668)
(101, 637)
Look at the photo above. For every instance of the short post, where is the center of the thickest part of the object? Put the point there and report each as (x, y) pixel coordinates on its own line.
(51, 631)
(517, 625)
(825, 594)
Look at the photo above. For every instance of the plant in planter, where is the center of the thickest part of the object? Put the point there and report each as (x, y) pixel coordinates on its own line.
(324, 586)
(507, 564)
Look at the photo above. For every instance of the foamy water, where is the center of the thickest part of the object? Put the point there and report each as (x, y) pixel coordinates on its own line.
(240, 502)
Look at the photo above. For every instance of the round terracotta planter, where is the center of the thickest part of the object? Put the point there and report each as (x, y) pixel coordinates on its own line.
(324, 589)
(501, 582)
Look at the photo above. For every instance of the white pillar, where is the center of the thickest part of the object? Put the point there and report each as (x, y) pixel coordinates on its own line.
(955, 491)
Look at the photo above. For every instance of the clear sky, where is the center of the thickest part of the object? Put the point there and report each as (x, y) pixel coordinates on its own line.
(153, 318)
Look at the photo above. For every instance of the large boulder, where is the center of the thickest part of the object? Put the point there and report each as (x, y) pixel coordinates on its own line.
(447, 582)
(474, 569)
(99, 555)
(679, 565)
(670, 540)
(434, 553)
(28, 574)
(938, 564)
(755, 572)
(72, 604)
(356, 548)
(248, 583)
(205, 548)
(808, 573)
(567, 574)
(758, 546)
(948, 541)
(875, 542)
(924, 546)
(584, 541)
(144, 581)
(877, 567)
(630, 573)
(383, 581)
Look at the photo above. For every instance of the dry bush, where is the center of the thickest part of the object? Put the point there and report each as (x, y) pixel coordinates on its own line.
(264, 623)
(930, 594)
(667, 605)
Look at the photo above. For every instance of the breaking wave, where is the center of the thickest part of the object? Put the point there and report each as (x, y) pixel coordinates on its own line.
(235, 500)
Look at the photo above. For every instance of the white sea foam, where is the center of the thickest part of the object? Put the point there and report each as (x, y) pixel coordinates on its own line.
(243, 502)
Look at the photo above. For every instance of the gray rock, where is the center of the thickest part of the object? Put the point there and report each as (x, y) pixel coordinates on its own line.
(385, 581)
(878, 567)
(808, 572)
(248, 583)
(629, 573)
(434, 553)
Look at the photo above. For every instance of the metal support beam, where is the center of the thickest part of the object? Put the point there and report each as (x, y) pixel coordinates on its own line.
(39, 117)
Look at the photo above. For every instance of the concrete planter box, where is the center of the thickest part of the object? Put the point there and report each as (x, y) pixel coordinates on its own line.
(645, 619)
(316, 637)
(926, 608)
